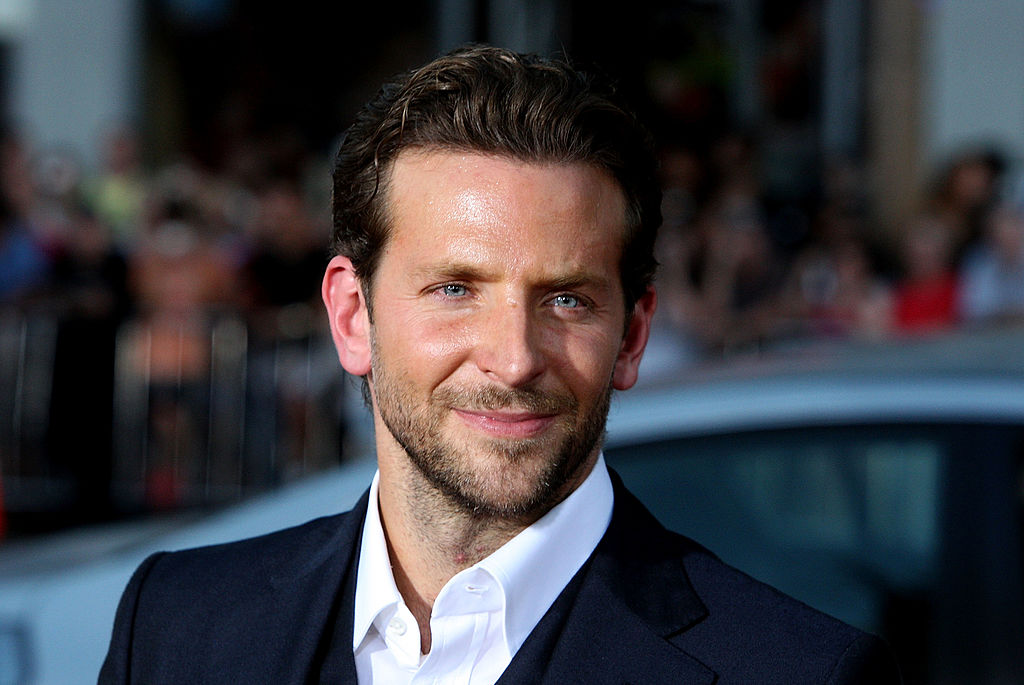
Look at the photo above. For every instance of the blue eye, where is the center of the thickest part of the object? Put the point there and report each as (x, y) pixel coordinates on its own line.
(567, 301)
(454, 289)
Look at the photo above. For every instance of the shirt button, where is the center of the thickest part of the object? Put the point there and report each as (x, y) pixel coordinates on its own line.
(476, 589)
(396, 626)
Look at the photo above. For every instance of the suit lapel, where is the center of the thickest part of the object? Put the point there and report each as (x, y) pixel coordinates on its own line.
(308, 592)
(633, 595)
(630, 597)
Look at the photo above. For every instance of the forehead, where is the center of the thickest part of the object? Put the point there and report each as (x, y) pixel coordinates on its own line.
(497, 197)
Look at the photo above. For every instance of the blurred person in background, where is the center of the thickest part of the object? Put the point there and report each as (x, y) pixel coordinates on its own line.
(16, 174)
(281, 269)
(24, 263)
(182, 279)
(675, 334)
(722, 270)
(118, 191)
(282, 292)
(56, 198)
(966, 190)
(993, 272)
(927, 296)
(833, 289)
(739, 275)
(494, 225)
(90, 297)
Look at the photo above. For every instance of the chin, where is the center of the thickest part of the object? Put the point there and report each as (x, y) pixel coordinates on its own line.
(507, 483)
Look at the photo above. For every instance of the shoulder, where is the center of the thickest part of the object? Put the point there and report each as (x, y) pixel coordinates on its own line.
(187, 612)
(216, 568)
(201, 580)
(778, 636)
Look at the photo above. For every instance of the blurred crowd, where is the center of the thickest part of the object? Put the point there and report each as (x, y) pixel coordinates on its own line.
(175, 245)
(165, 245)
(741, 269)
(136, 265)
(138, 269)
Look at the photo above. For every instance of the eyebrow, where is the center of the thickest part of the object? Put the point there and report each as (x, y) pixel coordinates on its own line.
(578, 280)
(451, 272)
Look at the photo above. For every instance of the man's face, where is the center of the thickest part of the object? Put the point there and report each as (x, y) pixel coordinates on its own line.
(498, 319)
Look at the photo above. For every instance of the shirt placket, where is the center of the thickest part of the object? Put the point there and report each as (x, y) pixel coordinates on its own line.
(459, 632)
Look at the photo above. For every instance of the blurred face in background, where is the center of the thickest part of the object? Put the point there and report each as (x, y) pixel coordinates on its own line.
(1006, 235)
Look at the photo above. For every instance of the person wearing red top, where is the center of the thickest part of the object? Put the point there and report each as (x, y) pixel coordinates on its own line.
(927, 298)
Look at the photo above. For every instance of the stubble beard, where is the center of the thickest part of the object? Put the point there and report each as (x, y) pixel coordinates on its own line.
(527, 477)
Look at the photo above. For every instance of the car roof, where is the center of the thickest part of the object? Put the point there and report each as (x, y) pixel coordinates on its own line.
(969, 376)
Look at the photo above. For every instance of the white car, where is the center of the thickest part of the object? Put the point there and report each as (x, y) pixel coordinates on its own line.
(879, 483)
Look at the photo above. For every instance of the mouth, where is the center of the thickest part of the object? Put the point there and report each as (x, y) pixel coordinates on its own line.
(506, 424)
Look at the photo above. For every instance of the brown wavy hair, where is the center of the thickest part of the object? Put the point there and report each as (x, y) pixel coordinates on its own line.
(494, 101)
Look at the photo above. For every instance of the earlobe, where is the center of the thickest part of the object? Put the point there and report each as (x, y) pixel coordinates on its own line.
(627, 364)
(348, 315)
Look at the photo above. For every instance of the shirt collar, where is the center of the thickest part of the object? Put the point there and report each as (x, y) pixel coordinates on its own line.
(536, 565)
(376, 592)
(532, 568)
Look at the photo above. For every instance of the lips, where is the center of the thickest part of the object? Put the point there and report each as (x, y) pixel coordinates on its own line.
(506, 424)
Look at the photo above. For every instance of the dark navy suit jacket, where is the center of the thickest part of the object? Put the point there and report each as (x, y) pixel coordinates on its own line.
(648, 607)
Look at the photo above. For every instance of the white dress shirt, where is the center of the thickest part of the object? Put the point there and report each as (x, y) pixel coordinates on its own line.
(483, 614)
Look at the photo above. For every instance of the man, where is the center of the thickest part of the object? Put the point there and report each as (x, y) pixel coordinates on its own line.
(494, 223)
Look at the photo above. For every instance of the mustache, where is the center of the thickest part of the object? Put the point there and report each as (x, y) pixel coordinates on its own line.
(491, 398)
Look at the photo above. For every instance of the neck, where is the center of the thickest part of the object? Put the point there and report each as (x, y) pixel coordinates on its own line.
(430, 539)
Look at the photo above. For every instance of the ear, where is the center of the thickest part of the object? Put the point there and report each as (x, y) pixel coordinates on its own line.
(627, 363)
(349, 316)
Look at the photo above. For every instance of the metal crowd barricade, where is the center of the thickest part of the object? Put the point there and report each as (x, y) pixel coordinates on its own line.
(235, 414)
(204, 412)
(30, 480)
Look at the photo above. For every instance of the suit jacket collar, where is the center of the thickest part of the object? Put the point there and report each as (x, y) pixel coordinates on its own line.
(633, 596)
(312, 604)
(646, 563)
(629, 599)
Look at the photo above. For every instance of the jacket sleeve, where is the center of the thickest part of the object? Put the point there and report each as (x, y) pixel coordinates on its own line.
(866, 661)
(116, 667)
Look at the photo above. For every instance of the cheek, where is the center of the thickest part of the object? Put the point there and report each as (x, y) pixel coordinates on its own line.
(424, 346)
(438, 337)
(583, 360)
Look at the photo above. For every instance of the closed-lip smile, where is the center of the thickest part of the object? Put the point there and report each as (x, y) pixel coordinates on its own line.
(506, 423)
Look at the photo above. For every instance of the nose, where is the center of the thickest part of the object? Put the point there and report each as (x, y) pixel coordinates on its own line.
(509, 349)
